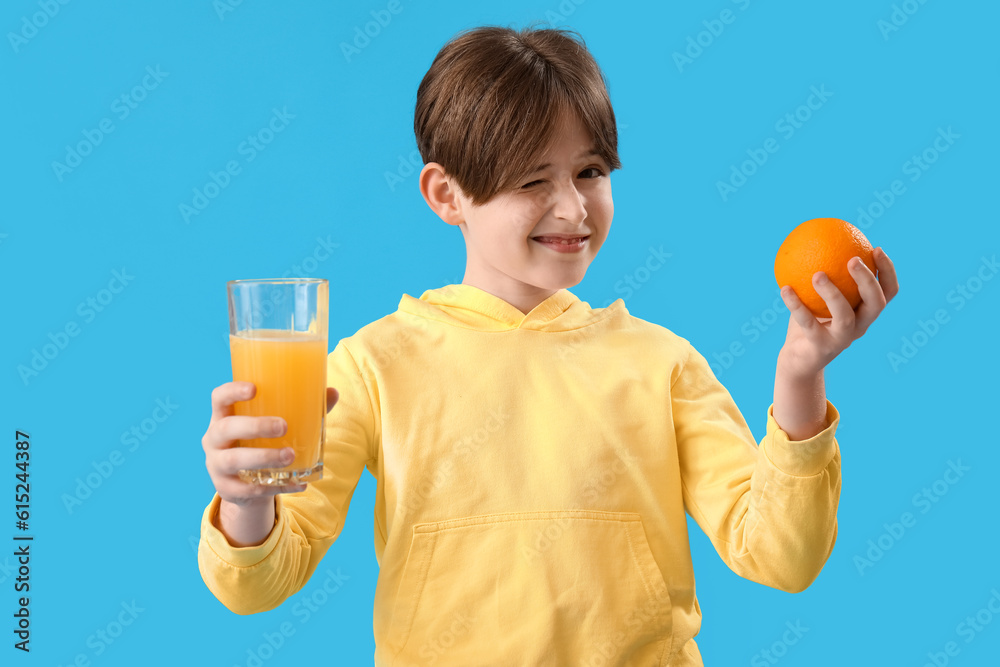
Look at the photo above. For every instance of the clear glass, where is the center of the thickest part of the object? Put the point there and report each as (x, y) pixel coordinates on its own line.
(278, 341)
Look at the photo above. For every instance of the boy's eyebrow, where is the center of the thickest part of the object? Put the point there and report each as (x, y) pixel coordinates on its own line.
(593, 152)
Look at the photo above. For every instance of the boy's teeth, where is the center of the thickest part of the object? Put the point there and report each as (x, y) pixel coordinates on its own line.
(563, 241)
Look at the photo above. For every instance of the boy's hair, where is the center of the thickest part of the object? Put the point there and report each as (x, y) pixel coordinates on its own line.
(488, 105)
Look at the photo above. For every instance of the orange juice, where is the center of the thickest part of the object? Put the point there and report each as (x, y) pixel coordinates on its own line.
(289, 369)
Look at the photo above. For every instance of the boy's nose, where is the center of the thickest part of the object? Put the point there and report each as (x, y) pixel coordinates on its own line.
(569, 203)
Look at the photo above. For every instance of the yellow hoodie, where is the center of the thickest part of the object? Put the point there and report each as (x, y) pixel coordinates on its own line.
(533, 473)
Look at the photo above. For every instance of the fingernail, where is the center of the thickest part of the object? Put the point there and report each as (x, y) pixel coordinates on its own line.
(278, 427)
(821, 278)
(287, 455)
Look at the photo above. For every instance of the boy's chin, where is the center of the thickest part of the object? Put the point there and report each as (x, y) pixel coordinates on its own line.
(565, 280)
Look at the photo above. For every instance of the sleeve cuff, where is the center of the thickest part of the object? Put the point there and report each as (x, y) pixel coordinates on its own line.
(240, 556)
(801, 458)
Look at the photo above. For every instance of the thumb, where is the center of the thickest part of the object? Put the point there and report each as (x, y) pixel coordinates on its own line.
(332, 396)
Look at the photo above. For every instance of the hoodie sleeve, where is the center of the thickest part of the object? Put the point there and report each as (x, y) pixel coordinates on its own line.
(252, 579)
(769, 510)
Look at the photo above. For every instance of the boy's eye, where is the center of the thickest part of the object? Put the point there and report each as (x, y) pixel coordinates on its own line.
(597, 173)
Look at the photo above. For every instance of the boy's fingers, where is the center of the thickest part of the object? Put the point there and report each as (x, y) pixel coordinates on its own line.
(234, 490)
(840, 309)
(886, 274)
(226, 394)
(231, 461)
(872, 297)
(224, 433)
(802, 316)
(868, 287)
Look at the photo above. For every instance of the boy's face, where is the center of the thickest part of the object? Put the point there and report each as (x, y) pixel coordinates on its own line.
(570, 197)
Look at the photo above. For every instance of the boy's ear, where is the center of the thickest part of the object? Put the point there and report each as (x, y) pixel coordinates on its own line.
(441, 193)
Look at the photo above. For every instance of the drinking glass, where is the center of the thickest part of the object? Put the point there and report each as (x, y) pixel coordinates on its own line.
(278, 341)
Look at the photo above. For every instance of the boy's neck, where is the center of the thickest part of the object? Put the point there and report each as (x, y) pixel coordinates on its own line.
(521, 296)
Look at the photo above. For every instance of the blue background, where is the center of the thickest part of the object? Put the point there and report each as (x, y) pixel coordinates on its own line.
(322, 183)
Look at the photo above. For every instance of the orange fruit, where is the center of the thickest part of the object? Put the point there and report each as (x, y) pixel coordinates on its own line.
(822, 244)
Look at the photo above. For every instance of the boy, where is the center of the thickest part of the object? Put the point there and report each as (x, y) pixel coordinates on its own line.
(534, 456)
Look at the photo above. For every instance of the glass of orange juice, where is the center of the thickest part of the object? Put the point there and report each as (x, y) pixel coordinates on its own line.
(278, 341)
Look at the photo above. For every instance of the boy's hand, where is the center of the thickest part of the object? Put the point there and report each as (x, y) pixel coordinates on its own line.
(812, 343)
(224, 459)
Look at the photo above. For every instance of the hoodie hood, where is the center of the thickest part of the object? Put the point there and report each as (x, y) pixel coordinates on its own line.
(469, 307)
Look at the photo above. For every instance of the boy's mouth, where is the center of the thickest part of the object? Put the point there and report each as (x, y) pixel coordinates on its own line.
(567, 240)
(562, 244)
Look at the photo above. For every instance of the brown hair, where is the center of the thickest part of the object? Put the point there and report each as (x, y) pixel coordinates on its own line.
(488, 105)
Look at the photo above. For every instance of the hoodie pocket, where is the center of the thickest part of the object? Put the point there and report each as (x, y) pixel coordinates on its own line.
(555, 587)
